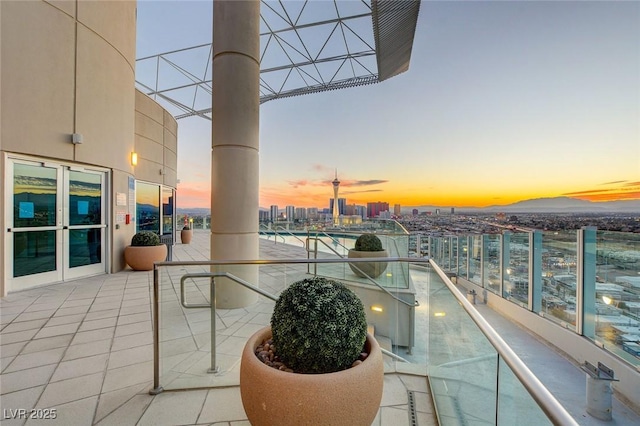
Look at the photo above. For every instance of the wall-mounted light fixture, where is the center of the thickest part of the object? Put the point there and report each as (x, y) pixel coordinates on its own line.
(134, 158)
(76, 138)
(376, 308)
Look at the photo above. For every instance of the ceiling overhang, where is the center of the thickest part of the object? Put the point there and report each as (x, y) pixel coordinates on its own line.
(306, 47)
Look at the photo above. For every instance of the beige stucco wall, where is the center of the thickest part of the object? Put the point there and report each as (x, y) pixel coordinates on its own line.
(156, 142)
(69, 67)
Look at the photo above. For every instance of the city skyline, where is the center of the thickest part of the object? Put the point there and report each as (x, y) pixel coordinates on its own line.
(503, 101)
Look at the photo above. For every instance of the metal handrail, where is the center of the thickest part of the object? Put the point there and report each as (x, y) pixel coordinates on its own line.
(290, 233)
(333, 239)
(275, 234)
(545, 400)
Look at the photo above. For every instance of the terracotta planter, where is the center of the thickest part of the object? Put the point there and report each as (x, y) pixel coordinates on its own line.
(186, 235)
(141, 258)
(272, 397)
(373, 269)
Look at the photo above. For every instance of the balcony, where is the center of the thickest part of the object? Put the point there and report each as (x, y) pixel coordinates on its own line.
(85, 349)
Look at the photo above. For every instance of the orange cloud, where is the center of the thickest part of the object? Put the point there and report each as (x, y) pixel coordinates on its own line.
(619, 190)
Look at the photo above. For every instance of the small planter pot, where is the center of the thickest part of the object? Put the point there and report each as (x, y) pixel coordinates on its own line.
(186, 235)
(372, 269)
(273, 397)
(141, 258)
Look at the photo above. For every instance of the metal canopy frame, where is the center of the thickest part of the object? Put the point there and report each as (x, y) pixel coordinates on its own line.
(306, 47)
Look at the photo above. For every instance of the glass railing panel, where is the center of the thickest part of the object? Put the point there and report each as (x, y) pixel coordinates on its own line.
(475, 259)
(185, 331)
(463, 251)
(434, 248)
(184, 320)
(617, 293)
(516, 269)
(463, 365)
(559, 259)
(446, 253)
(515, 405)
(491, 260)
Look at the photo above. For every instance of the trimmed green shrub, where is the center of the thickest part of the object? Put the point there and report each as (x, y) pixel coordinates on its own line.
(145, 238)
(318, 326)
(368, 242)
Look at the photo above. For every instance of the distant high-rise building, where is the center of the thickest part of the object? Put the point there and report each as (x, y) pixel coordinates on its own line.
(437, 212)
(396, 210)
(301, 213)
(350, 209)
(335, 212)
(361, 211)
(414, 212)
(290, 213)
(263, 215)
(273, 213)
(312, 213)
(374, 209)
(453, 210)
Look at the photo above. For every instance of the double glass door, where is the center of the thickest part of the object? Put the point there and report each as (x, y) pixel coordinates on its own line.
(56, 223)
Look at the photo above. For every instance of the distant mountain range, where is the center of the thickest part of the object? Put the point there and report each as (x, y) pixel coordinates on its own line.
(549, 205)
(538, 205)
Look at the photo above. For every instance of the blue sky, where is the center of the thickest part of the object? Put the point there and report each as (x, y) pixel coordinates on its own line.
(503, 101)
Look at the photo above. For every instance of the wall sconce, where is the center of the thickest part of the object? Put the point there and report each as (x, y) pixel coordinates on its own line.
(439, 314)
(134, 158)
(376, 308)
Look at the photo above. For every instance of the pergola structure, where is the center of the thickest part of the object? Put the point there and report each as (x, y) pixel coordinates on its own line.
(305, 47)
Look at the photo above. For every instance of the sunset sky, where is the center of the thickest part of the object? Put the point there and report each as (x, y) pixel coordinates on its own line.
(503, 101)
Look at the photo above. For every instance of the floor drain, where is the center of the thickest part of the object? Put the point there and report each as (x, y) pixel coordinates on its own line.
(413, 419)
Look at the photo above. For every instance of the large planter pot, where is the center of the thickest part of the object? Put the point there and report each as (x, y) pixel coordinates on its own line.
(372, 269)
(141, 258)
(186, 235)
(273, 397)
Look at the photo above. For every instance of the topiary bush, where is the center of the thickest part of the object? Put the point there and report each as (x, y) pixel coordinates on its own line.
(318, 326)
(145, 238)
(368, 242)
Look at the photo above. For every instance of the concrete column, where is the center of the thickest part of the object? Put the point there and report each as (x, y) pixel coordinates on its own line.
(235, 145)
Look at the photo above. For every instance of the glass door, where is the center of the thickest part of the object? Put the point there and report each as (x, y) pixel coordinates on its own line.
(35, 224)
(56, 223)
(84, 222)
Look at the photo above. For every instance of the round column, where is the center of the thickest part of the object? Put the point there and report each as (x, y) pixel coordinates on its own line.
(235, 145)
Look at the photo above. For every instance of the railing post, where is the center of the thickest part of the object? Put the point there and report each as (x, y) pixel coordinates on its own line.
(586, 282)
(535, 271)
(156, 333)
(212, 297)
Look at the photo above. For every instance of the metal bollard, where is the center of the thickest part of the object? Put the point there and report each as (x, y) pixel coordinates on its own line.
(599, 390)
(471, 296)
